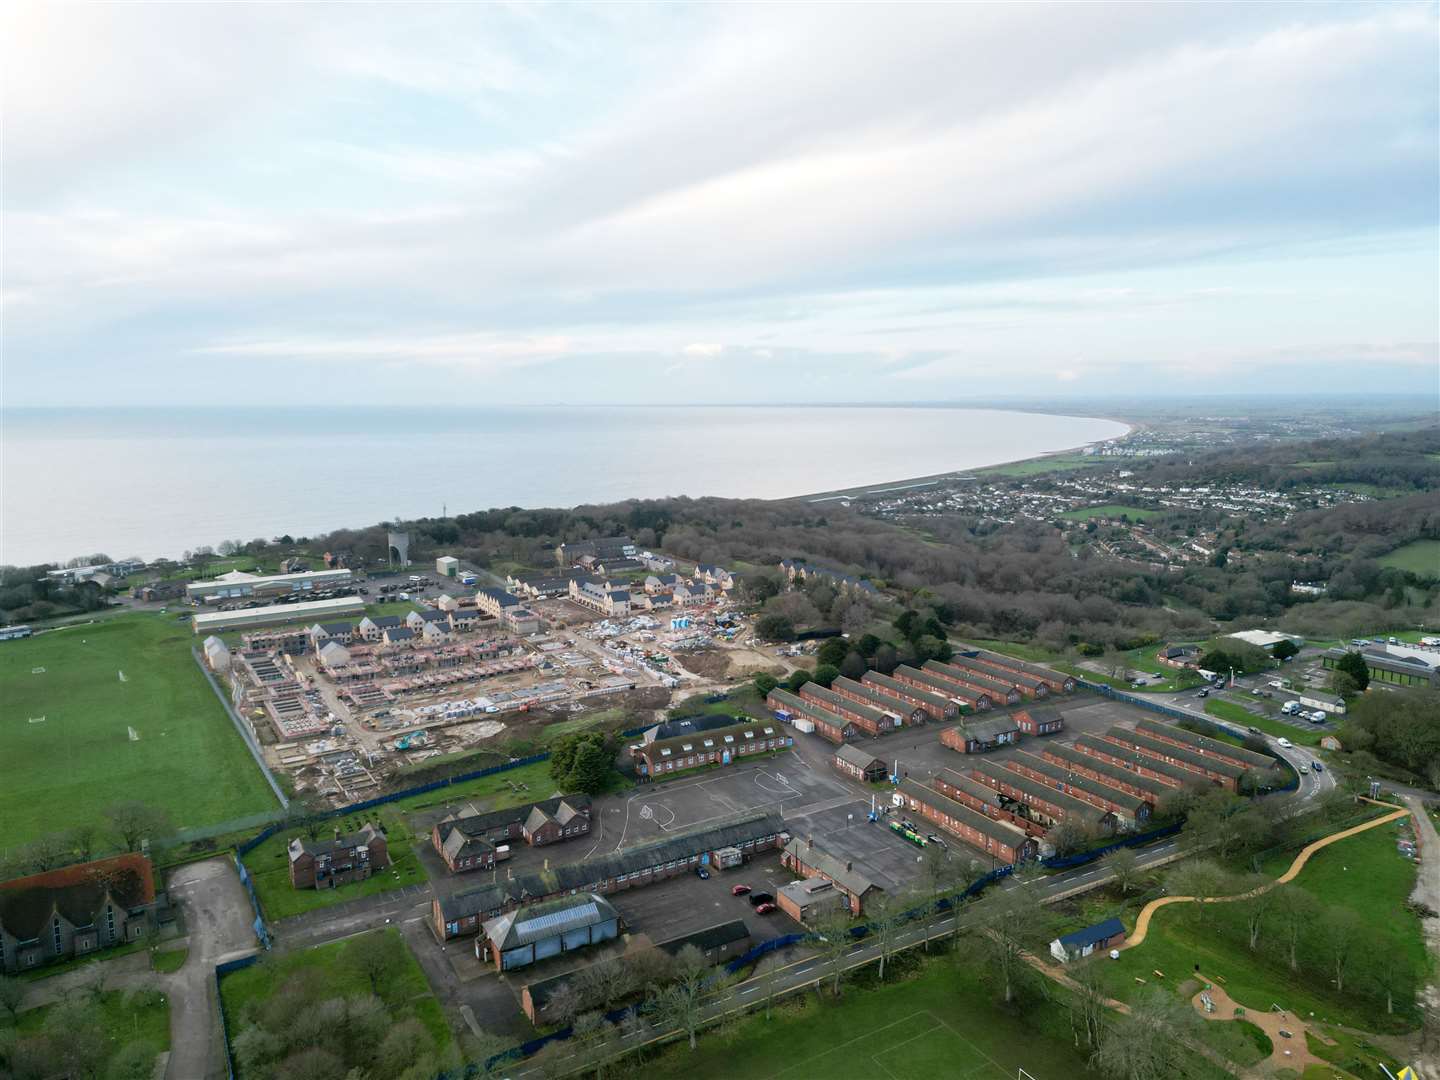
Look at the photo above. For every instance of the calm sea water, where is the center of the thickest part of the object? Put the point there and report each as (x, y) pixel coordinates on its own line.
(151, 482)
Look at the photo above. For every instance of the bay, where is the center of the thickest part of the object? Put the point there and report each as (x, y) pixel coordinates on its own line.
(152, 482)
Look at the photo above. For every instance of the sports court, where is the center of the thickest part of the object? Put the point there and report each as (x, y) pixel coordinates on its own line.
(919, 1047)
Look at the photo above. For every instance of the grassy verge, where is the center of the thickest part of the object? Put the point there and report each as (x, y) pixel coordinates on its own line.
(168, 960)
(125, 949)
(1236, 714)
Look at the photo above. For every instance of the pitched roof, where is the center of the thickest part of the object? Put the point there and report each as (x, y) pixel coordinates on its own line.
(1151, 745)
(384, 622)
(1206, 744)
(835, 703)
(1093, 935)
(476, 824)
(548, 919)
(861, 759)
(1068, 805)
(809, 709)
(711, 937)
(1003, 831)
(329, 846)
(75, 892)
(398, 633)
(688, 725)
(1062, 774)
(838, 870)
(972, 787)
(988, 730)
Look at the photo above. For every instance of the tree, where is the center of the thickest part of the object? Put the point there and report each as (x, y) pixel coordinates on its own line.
(825, 674)
(48, 852)
(798, 678)
(764, 683)
(1004, 920)
(1070, 836)
(1295, 909)
(832, 941)
(81, 839)
(76, 1037)
(403, 1044)
(1149, 1042)
(1199, 878)
(774, 627)
(134, 1061)
(563, 1005)
(1122, 865)
(1342, 683)
(1353, 664)
(832, 651)
(1341, 932)
(256, 1048)
(135, 821)
(1088, 1008)
(680, 1005)
(12, 993)
(1392, 974)
(853, 666)
(884, 916)
(1284, 650)
(373, 956)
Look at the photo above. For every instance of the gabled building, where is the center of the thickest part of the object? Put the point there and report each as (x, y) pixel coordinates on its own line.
(937, 706)
(980, 736)
(1101, 937)
(1000, 691)
(860, 764)
(1038, 721)
(471, 840)
(803, 857)
(1007, 843)
(1028, 685)
(535, 932)
(662, 757)
(810, 718)
(909, 713)
(965, 698)
(76, 911)
(867, 718)
(338, 860)
(1130, 811)
(372, 628)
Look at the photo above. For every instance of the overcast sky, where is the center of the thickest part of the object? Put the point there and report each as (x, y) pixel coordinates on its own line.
(476, 204)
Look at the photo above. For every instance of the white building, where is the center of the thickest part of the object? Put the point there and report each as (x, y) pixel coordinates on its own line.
(238, 584)
(217, 654)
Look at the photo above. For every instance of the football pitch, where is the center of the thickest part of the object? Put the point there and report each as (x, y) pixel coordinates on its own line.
(110, 712)
(919, 1047)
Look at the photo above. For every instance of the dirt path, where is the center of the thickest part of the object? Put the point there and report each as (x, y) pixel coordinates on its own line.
(1427, 892)
(1142, 922)
(1286, 1053)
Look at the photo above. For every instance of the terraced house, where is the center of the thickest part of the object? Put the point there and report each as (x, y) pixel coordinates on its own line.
(338, 860)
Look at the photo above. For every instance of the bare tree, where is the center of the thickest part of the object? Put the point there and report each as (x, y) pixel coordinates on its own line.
(1199, 878)
(649, 968)
(48, 852)
(1257, 905)
(12, 993)
(1149, 1042)
(1341, 932)
(1005, 919)
(563, 1005)
(82, 839)
(135, 822)
(373, 956)
(832, 941)
(884, 916)
(1122, 864)
(1391, 972)
(1088, 1009)
(1296, 910)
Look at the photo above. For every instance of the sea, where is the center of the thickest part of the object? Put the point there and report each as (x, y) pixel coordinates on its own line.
(151, 482)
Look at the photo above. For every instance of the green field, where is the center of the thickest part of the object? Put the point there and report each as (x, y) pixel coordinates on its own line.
(1036, 466)
(1235, 714)
(1109, 510)
(124, 1018)
(1421, 557)
(158, 736)
(943, 1023)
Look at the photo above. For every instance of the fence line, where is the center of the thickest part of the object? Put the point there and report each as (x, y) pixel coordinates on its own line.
(223, 969)
(241, 727)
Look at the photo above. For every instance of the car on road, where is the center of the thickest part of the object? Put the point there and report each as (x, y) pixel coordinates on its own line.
(764, 909)
(758, 898)
(1253, 730)
(1285, 744)
(1203, 693)
(702, 873)
(1304, 769)
(739, 890)
(1319, 767)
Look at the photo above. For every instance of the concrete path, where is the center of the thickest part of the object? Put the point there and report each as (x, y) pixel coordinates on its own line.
(1427, 892)
(1142, 922)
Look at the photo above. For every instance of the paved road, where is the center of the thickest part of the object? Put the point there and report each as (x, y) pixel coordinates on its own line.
(1427, 892)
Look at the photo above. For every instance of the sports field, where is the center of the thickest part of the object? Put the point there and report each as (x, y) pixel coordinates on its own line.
(1109, 510)
(98, 714)
(1420, 557)
(919, 1047)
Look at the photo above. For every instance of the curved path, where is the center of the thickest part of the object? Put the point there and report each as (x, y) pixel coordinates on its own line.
(1142, 922)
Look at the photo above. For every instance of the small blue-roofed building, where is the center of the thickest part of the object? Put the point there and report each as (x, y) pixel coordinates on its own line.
(535, 932)
(1080, 944)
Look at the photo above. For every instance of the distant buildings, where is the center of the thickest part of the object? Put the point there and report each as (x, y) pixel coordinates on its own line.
(610, 547)
(601, 596)
(217, 622)
(239, 585)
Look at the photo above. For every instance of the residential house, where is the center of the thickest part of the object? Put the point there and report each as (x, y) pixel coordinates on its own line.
(337, 860)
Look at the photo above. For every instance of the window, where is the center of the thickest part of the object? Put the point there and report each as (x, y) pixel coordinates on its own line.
(55, 930)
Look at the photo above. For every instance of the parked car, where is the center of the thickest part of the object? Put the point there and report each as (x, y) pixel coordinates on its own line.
(758, 898)
(937, 840)
(1319, 716)
(702, 873)
(764, 909)
(739, 890)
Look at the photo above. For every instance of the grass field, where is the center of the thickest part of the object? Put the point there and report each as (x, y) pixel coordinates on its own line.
(1235, 714)
(1421, 557)
(1036, 466)
(404, 990)
(1109, 510)
(126, 715)
(942, 1023)
(124, 1018)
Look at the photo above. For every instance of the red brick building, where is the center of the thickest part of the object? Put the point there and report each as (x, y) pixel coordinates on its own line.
(909, 713)
(1007, 843)
(937, 706)
(1029, 685)
(867, 718)
(1038, 721)
(326, 864)
(1000, 691)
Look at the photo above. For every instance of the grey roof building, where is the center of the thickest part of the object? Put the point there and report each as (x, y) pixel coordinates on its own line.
(535, 932)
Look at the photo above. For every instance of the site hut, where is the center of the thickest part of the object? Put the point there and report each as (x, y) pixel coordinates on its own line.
(461, 913)
(1043, 801)
(218, 622)
(860, 764)
(937, 706)
(982, 798)
(496, 829)
(77, 910)
(1101, 937)
(1058, 681)
(1038, 721)
(217, 654)
(1398, 665)
(447, 566)
(535, 932)
(1130, 810)
(1222, 773)
(338, 860)
(1204, 744)
(1143, 765)
(1116, 776)
(1001, 840)
(1001, 691)
(803, 857)
(720, 746)
(980, 736)
(965, 700)
(810, 718)
(908, 713)
(1317, 699)
(868, 719)
(238, 585)
(1028, 685)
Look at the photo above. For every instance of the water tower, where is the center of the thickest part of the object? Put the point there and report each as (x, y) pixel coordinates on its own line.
(399, 549)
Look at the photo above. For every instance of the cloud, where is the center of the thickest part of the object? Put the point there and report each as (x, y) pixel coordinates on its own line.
(704, 350)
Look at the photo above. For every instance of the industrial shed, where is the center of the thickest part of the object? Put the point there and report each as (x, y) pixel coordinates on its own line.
(537, 932)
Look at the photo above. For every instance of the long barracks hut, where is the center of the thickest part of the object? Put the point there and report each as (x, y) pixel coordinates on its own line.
(979, 736)
(1059, 682)
(965, 700)
(867, 718)
(1143, 764)
(720, 746)
(1000, 691)
(1129, 810)
(1029, 685)
(937, 706)
(808, 717)
(1004, 841)
(1116, 776)
(461, 913)
(1219, 772)
(909, 713)
(1204, 744)
(1043, 801)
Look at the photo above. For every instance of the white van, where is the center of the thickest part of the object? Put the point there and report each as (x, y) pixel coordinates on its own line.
(1290, 708)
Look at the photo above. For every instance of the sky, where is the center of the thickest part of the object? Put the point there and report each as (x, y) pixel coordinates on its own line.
(527, 203)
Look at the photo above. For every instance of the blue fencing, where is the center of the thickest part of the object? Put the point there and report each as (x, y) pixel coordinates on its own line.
(259, 924)
(225, 969)
(1065, 862)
